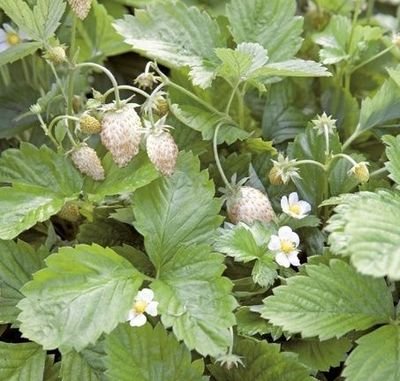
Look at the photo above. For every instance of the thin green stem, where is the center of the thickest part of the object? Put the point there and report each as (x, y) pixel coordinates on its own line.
(47, 131)
(231, 98)
(370, 9)
(344, 156)
(150, 102)
(71, 77)
(65, 117)
(127, 87)
(327, 141)
(26, 71)
(313, 162)
(58, 80)
(216, 157)
(108, 74)
(359, 66)
(351, 138)
(378, 172)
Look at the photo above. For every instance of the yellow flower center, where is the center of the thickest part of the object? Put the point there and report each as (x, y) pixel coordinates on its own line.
(140, 306)
(295, 209)
(13, 38)
(287, 246)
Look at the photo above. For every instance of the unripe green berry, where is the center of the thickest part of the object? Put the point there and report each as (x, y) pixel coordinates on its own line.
(56, 55)
(69, 212)
(89, 125)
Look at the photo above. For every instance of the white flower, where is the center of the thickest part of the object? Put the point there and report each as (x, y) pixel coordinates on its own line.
(143, 303)
(295, 208)
(285, 245)
(10, 37)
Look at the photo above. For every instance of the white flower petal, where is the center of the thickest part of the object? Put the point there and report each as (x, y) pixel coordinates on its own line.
(151, 308)
(3, 36)
(274, 243)
(8, 28)
(138, 321)
(285, 233)
(4, 46)
(284, 204)
(132, 314)
(305, 207)
(146, 295)
(23, 36)
(295, 239)
(282, 260)
(293, 198)
(293, 259)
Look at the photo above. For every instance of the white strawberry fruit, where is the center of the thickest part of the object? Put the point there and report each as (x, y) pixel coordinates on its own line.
(121, 133)
(86, 160)
(247, 204)
(162, 151)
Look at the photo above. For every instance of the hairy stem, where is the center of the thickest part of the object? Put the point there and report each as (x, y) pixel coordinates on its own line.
(216, 157)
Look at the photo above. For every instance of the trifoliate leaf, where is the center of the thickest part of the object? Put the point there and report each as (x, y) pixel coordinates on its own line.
(175, 35)
(320, 355)
(149, 354)
(368, 363)
(265, 271)
(20, 362)
(195, 299)
(17, 262)
(393, 154)
(329, 302)
(17, 52)
(262, 362)
(382, 107)
(272, 24)
(42, 182)
(206, 122)
(182, 207)
(85, 289)
(138, 173)
(365, 227)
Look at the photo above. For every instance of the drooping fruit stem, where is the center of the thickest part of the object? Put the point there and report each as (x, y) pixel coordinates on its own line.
(216, 157)
(69, 134)
(109, 75)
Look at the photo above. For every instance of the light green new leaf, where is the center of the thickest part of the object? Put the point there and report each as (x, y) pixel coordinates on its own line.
(18, 261)
(238, 65)
(178, 210)
(195, 299)
(16, 52)
(205, 121)
(175, 35)
(42, 182)
(85, 289)
(271, 23)
(138, 173)
(365, 227)
(366, 362)
(149, 354)
(334, 40)
(320, 355)
(47, 15)
(329, 302)
(393, 154)
(292, 68)
(263, 362)
(384, 106)
(21, 362)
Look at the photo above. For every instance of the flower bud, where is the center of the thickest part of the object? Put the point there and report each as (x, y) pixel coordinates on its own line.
(360, 172)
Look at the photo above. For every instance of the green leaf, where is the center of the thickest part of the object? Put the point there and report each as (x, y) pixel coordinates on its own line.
(42, 182)
(263, 362)
(176, 36)
(320, 355)
(393, 154)
(329, 301)
(17, 52)
(265, 271)
(238, 65)
(250, 323)
(195, 299)
(17, 262)
(149, 354)
(365, 227)
(182, 207)
(334, 40)
(272, 24)
(366, 363)
(292, 68)
(20, 362)
(138, 173)
(205, 121)
(86, 290)
(382, 107)
(87, 365)
(47, 15)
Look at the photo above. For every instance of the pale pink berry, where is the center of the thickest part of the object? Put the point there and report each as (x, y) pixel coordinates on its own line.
(88, 163)
(162, 151)
(121, 134)
(80, 7)
(248, 205)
